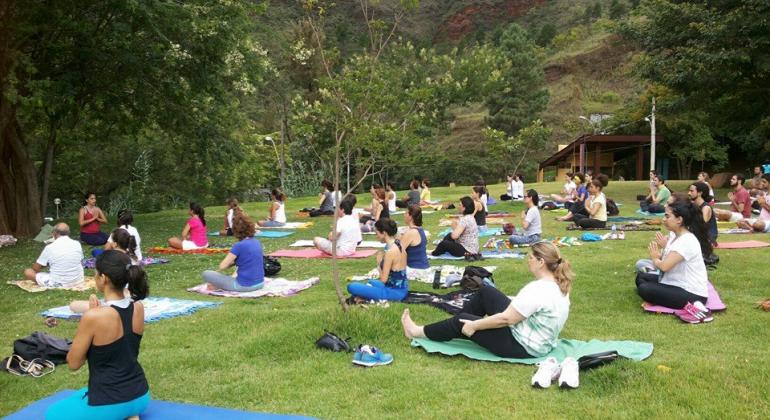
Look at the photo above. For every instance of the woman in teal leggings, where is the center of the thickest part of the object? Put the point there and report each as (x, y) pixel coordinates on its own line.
(108, 337)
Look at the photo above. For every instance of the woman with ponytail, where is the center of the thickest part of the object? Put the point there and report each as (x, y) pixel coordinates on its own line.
(526, 326)
(126, 222)
(108, 337)
(675, 275)
(277, 212)
(194, 232)
(392, 284)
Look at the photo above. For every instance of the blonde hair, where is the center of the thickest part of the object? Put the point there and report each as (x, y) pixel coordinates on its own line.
(561, 268)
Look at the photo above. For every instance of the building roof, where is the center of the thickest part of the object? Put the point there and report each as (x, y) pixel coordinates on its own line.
(597, 139)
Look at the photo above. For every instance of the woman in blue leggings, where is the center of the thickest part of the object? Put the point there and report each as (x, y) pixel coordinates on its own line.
(392, 284)
(108, 337)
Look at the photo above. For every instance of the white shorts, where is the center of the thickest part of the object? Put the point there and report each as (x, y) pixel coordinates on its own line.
(734, 217)
(190, 245)
(44, 279)
(325, 245)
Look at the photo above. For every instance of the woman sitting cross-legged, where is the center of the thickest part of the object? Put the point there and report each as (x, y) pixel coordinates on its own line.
(392, 284)
(596, 206)
(109, 336)
(232, 210)
(463, 240)
(246, 255)
(194, 231)
(675, 275)
(277, 215)
(90, 218)
(526, 326)
(414, 240)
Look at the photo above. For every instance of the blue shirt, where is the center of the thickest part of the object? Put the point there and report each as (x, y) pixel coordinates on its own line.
(250, 262)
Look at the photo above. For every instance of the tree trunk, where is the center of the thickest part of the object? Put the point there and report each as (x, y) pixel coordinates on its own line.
(48, 166)
(335, 267)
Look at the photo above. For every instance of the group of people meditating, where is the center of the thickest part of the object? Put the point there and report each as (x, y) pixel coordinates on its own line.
(524, 326)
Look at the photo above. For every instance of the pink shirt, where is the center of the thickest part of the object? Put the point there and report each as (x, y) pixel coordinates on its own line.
(197, 231)
(742, 196)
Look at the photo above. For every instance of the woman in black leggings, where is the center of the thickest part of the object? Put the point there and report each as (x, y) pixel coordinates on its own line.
(463, 240)
(675, 274)
(595, 206)
(494, 321)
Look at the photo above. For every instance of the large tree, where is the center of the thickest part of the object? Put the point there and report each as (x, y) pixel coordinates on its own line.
(115, 70)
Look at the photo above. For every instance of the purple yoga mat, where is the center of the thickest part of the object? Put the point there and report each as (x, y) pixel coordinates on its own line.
(714, 303)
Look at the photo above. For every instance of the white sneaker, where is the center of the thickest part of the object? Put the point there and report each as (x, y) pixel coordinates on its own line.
(548, 370)
(569, 374)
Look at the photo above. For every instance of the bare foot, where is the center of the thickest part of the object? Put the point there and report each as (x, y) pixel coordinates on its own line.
(411, 330)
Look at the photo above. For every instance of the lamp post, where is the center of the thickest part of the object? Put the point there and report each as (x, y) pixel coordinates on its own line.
(278, 157)
(651, 120)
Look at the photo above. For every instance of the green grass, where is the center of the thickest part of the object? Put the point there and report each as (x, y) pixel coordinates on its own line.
(259, 355)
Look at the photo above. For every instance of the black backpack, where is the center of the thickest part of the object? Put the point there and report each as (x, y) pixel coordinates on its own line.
(473, 277)
(272, 266)
(40, 345)
(612, 208)
(331, 341)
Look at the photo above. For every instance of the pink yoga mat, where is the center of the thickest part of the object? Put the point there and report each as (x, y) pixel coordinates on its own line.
(714, 303)
(742, 244)
(314, 253)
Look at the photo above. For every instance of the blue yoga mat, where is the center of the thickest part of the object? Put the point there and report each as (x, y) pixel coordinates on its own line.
(155, 308)
(266, 233)
(646, 213)
(156, 411)
(482, 234)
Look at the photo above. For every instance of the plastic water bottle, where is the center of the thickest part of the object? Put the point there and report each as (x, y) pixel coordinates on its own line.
(614, 234)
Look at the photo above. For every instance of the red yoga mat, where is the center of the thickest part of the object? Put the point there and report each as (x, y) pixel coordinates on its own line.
(314, 253)
(742, 245)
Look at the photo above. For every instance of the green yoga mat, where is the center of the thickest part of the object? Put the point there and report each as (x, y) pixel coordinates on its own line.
(633, 350)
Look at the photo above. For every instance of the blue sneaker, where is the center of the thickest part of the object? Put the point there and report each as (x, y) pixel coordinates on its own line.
(371, 356)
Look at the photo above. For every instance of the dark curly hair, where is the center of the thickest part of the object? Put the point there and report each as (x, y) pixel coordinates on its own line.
(243, 226)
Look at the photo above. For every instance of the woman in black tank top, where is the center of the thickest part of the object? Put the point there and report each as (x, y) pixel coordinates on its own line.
(108, 336)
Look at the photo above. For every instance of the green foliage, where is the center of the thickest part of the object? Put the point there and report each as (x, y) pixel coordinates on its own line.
(546, 34)
(617, 9)
(523, 95)
(523, 150)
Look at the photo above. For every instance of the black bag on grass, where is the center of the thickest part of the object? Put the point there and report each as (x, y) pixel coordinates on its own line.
(612, 208)
(595, 360)
(40, 345)
(272, 266)
(473, 277)
(331, 341)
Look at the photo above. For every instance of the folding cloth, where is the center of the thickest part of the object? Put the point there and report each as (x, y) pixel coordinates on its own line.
(364, 244)
(32, 286)
(157, 410)
(742, 245)
(633, 350)
(315, 253)
(155, 308)
(714, 303)
(273, 287)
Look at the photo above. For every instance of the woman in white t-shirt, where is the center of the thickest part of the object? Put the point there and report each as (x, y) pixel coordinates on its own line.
(508, 188)
(126, 221)
(595, 206)
(568, 192)
(526, 326)
(232, 208)
(277, 216)
(675, 275)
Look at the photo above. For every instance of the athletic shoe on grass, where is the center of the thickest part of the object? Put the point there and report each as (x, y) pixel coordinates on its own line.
(548, 371)
(370, 356)
(694, 313)
(569, 376)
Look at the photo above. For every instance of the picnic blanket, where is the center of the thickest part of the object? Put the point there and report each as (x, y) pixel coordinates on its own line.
(315, 253)
(290, 225)
(451, 302)
(155, 309)
(32, 286)
(633, 350)
(7, 240)
(449, 274)
(265, 233)
(167, 250)
(157, 410)
(714, 303)
(482, 234)
(504, 254)
(272, 287)
(91, 262)
(742, 245)
(362, 244)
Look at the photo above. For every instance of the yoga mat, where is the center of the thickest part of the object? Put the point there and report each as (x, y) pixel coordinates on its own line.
(155, 309)
(623, 219)
(291, 225)
(648, 214)
(91, 262)
(485, 254)
(33, 287)
(166, 250)
(266, 233)
(625, 228)
(362, 244)
(424, 275)
(157, 410)
(273, 287)
(489, 215)
(482, 234)
(714, 303)
(742, 245)
(633, 350)
(734, 231)
(314, 253)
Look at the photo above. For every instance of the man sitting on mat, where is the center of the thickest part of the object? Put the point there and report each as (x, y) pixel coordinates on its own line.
(740, 202)
(658, 201)
(761, 223)
(530, 222)
(675, 275)
(63, 257)
(348, 231)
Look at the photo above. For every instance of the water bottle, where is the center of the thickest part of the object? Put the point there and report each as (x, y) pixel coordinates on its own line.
(614, 234)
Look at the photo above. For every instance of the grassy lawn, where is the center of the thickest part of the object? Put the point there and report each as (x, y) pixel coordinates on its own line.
(259, 354)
